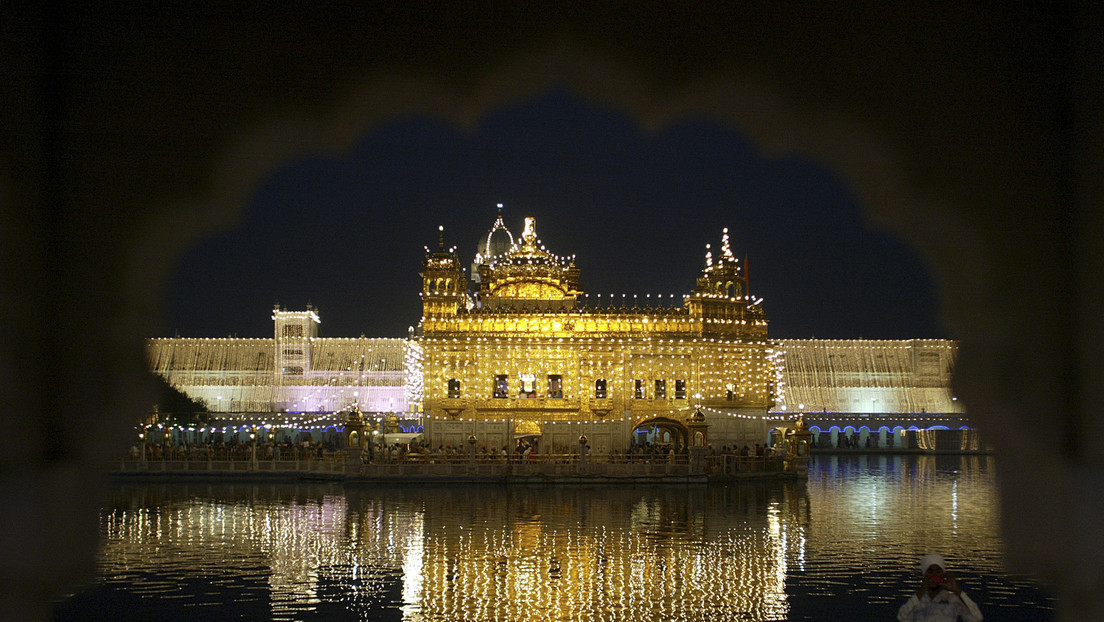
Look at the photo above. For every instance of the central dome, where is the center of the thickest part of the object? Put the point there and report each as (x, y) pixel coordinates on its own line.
(529, 275)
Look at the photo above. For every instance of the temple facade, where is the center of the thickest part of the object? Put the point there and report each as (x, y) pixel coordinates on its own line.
(517, 354)
(521, 357)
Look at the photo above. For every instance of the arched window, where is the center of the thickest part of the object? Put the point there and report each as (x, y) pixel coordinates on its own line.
(501, 388)
(528, 388)
(453, 388)
(555, 386)
(600, 388)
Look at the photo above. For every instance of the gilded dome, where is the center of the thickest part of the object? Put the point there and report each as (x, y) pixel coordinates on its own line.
(529, 272)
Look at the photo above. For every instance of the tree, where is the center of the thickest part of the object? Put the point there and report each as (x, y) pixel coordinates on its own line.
(175, 407)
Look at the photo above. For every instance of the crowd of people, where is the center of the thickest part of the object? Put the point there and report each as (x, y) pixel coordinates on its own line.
(233, 449)
(421, 451)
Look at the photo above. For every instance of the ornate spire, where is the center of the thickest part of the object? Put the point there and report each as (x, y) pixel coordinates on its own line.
(444, 287)
(725, 276)
(529, 235)
(726, 250)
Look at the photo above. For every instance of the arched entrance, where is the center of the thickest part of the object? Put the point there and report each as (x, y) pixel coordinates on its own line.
(527, 435)
(658, 432)
(527, 441)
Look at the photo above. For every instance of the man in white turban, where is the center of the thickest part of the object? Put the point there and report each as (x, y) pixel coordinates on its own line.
(939, 598)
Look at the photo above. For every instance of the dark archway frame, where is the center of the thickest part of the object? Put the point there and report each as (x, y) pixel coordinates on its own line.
(127, 135)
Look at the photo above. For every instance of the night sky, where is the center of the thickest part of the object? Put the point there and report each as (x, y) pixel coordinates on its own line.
(346, 232)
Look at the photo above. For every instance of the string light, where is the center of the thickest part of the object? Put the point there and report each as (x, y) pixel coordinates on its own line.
(533, 322)
(714, 345)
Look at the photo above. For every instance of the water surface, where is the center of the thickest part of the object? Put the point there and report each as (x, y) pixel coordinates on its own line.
(844, 545)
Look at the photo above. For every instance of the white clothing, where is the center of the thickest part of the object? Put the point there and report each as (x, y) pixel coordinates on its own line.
(945, 607)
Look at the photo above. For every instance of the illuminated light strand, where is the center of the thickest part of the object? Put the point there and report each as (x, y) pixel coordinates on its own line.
(722, 362)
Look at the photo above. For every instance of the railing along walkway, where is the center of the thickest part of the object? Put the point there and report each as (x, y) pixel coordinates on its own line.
(418, 465)
(328, 464)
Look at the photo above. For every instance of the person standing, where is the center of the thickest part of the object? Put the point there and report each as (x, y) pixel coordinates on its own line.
(939, 598)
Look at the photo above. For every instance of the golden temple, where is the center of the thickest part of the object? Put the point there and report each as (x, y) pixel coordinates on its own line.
(524, 355)
(520, 353)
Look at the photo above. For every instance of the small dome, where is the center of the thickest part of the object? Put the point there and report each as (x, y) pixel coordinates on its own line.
(492, 245)
(496, 241)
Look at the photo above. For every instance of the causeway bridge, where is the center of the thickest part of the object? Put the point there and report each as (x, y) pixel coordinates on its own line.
(890, 421)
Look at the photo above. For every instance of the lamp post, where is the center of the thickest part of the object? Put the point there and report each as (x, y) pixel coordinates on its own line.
(142, 443)
(253, 448)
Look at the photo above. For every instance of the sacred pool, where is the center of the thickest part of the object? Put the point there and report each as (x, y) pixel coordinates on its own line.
(842, 545)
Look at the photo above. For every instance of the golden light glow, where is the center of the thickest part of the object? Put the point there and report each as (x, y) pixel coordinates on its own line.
(522, 350)
(531, 351)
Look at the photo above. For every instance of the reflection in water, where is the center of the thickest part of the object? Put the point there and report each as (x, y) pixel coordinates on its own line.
(463, 553)
(876, 515)
(762, 550)
(602, 553)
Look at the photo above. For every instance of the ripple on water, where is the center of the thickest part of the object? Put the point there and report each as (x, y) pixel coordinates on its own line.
(841, 546)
